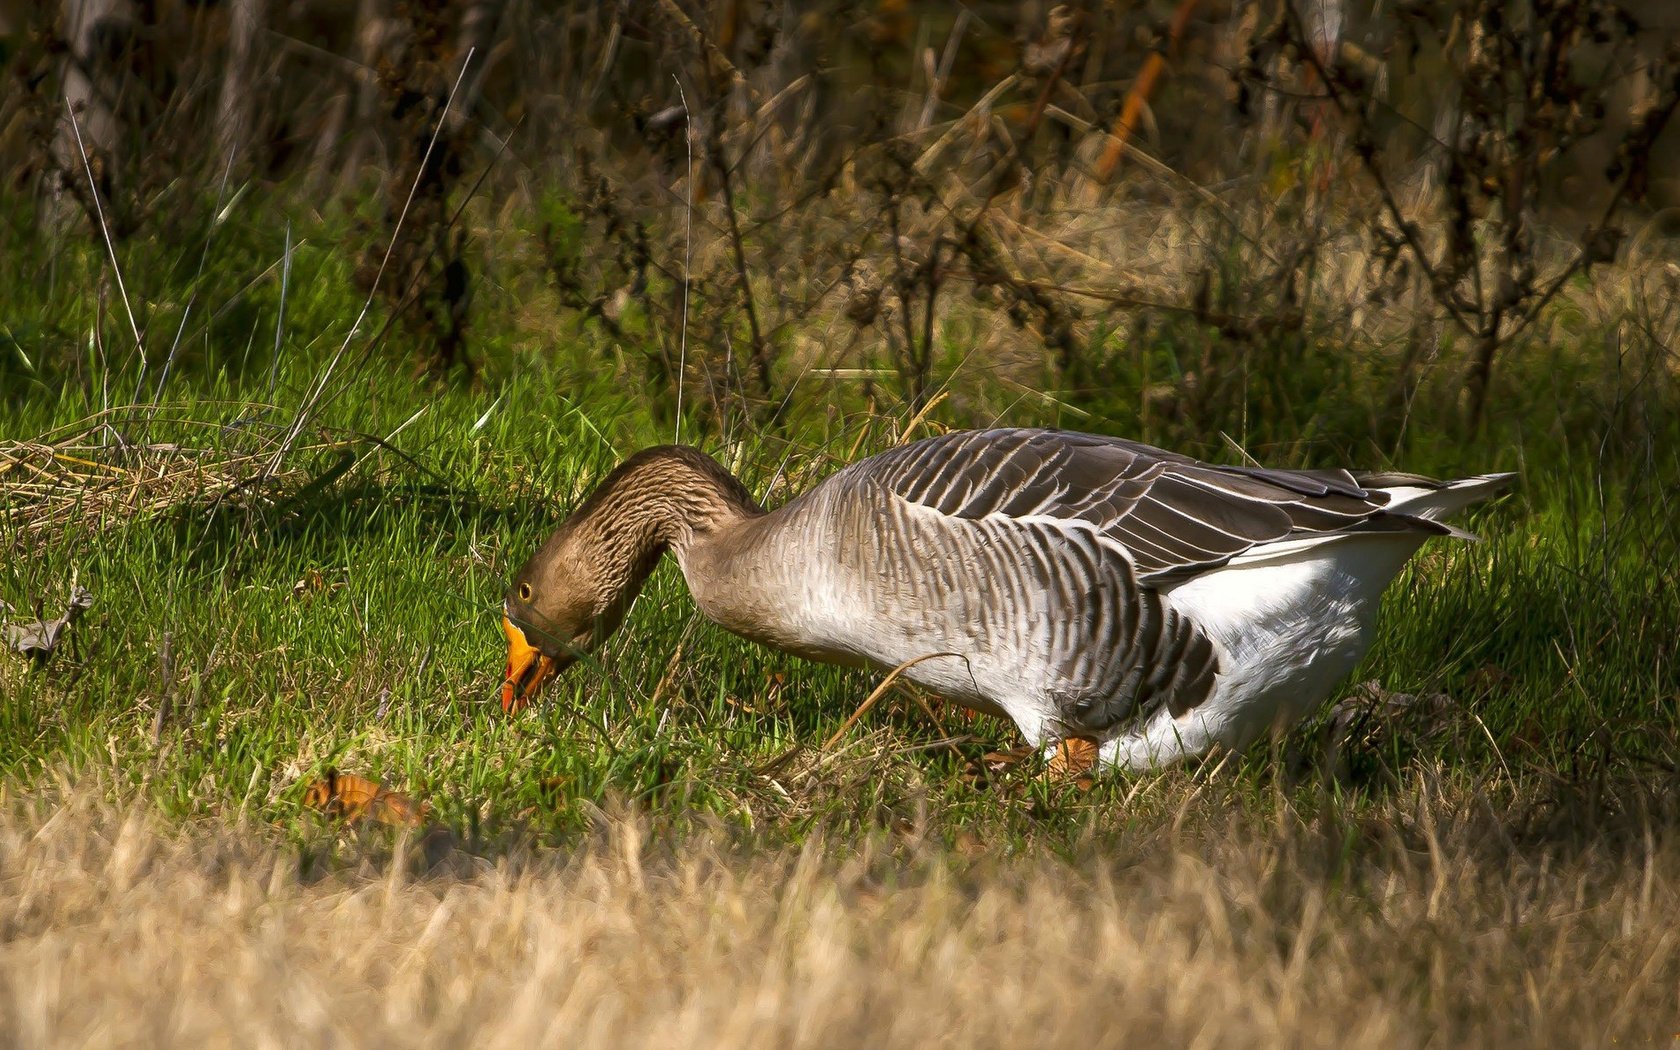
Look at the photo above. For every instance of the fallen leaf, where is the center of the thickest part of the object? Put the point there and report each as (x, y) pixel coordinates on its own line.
(968, 843)
(979, 773)
(1075, 758)
(354, 798)
(998, 760)
(312, 583)
(38, 638)
(1373, 710)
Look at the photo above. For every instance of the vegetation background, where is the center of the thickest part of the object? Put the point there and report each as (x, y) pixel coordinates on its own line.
(315, 316)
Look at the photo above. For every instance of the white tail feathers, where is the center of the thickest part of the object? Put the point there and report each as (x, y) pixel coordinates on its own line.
(1436, 502)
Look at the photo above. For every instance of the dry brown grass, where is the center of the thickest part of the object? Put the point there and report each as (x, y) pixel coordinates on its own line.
(1439, 918)
(95, 472)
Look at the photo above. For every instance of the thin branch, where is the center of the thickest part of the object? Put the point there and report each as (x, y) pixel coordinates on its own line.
(760, 352)
(688, 253)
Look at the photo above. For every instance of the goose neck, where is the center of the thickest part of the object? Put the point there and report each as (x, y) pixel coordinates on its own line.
(664, 499)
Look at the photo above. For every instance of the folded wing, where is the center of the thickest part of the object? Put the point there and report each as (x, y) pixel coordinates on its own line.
(1173, 516)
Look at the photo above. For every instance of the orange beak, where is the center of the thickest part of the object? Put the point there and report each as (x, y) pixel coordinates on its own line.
(527, 669)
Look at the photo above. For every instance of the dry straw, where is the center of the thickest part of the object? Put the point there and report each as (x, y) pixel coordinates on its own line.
(1433, 921)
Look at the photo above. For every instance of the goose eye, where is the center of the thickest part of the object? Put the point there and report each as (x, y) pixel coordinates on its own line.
(524, 592)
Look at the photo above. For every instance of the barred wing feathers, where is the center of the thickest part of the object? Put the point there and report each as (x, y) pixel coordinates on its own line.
(1174, 517)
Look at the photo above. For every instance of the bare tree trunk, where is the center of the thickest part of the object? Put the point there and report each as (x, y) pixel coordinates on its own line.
(94, 70)
(373, 35)
(477, 32)
(233, 116)
(1481, 373)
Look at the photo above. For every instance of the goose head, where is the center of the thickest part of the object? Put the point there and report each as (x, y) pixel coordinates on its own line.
(570, 597)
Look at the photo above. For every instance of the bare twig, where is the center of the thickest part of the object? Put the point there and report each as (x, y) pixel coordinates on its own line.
(688, 253)
(760, 351)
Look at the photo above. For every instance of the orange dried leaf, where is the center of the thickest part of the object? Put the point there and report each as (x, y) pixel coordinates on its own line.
(1075, 757)
(732, 701)
(354, 798)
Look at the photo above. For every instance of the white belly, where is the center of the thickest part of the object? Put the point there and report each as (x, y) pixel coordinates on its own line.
(1287, 631)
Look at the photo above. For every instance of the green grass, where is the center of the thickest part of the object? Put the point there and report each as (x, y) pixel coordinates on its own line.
(1553, 639)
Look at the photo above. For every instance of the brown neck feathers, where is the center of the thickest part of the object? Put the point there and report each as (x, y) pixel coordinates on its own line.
(661, 498)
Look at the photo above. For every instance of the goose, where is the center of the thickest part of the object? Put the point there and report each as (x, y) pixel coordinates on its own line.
(1096, 591)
